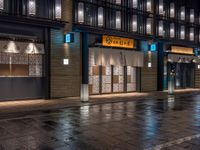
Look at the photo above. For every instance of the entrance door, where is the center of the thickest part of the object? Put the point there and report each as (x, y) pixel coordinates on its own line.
(184, 75)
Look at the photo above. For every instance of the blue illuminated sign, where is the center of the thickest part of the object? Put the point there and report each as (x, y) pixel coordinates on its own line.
(69, 38)
(153, 47)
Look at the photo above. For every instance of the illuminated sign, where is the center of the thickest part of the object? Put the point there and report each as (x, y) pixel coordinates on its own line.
(182, 50)
(69, 38)
(153, 47)
(114, 41)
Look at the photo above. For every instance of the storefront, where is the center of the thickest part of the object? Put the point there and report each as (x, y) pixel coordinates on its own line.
(21, 70)
(180, 67)
(114, 66)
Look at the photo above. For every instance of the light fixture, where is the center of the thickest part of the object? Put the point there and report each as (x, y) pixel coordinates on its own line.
(58, 9)
(118, 20)
(31, 7)
(1, 4)
(80, 12)
(100, 16)
(65, 61)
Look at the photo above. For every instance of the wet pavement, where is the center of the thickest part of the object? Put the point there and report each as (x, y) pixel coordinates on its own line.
(168, 124)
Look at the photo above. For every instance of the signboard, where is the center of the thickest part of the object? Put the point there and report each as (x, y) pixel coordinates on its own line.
(69, 38)
(182, 50)
(114, 41)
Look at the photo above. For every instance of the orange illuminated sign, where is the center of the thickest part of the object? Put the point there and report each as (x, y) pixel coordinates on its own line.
(182, 50)
(114, 41)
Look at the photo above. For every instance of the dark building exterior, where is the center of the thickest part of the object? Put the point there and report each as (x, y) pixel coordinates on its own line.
(164, 37)
(63, 48)
(25, 41)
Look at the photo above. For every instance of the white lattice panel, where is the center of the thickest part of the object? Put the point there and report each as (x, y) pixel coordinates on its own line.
(106, 88)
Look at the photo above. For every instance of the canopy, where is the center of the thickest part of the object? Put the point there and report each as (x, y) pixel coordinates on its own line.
(107, 56)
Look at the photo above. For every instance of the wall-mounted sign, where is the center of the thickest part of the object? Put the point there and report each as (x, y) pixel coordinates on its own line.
(182, 50)
(65, 61)
(114, 41)
(153, 47)
(69, 38)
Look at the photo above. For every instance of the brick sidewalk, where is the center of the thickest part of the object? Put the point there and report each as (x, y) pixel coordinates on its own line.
(41, 104)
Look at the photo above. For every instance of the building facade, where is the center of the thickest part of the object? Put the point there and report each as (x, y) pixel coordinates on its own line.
(164, 37)
(65, 48)
(25, 41)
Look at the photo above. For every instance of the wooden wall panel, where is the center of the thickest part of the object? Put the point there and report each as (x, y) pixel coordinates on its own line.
(149, 75)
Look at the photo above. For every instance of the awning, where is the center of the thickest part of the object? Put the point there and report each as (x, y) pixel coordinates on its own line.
(21, 47)
(180, 58)
(107, 56)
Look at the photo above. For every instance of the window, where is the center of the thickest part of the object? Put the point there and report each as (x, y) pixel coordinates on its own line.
(149, 26)
(100, 16)
(172, 10)
(182, 13)
(118, 20)
(133, 3)
(118, 2)
(31, 7)
(182, 32)
(20, 59)
(1, 4)
(160, 7)
(172, 30)
(134, 23)
(192, 15)
(58, 9)
(80, 12)
(191, 34)
(89, 14)
(149, 6)
(160, 28)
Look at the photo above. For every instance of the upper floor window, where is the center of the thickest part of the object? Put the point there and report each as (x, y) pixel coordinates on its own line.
(58, 9)
(160, 28)
(172, 10)
(100, 16)
(31, 7)
(182, 13)
(191, 34)
(160, 7)
(182, 32)
(149, 5)
(118, 2)
(134, 23)
(149, 26)
(1, 5)
(133, 3)
(192, 15)
(118, 20)
(80, 12)
(172, 30)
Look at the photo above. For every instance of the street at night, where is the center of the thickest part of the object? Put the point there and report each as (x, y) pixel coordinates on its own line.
(149, 123)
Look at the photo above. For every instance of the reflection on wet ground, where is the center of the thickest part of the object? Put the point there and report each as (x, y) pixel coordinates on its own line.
(171, 123)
